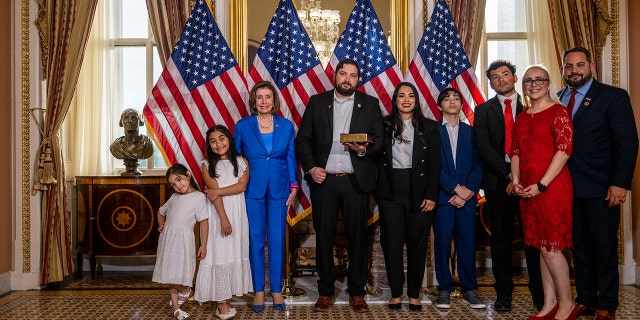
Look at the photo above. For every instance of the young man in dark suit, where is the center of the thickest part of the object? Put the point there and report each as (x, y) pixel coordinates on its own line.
(340, 179)
(493, 140)
(605, 149)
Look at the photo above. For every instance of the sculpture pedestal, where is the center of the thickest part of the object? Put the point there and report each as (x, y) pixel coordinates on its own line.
(132, 167)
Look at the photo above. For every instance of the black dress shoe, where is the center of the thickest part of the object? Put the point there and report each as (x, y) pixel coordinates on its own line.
(415, 307)
(395, 306)
(502, 305)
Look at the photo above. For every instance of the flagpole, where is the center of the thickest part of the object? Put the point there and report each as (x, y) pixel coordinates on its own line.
(288, 287)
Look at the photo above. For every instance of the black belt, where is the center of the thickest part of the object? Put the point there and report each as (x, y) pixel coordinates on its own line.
(340, 174)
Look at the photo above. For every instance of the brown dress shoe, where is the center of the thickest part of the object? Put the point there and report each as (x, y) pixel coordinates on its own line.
(324, 302)
(604, 315)
(358, 304)
(584, 310)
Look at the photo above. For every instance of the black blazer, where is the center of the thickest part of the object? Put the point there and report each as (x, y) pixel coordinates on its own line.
(425, 166)
(605, 141)
(315, 136)
(488, 128)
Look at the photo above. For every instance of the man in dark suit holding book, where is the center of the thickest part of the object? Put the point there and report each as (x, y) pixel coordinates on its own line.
(340, 178)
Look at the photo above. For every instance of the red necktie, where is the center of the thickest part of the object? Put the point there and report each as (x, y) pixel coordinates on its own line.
(572, 101)
(508, 125)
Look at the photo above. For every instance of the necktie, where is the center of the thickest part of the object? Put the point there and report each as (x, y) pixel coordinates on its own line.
(508, 125)
(572, 101)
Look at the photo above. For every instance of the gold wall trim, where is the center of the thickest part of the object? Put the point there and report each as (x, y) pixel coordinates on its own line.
(400, 32)
(615, 43)
(425, 14)
(615, 81)
(26, 142)
(238, 32)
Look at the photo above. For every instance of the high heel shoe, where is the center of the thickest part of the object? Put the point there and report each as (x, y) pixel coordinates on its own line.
(257, 307)
(573, 315)
(279, 306)
(395, 306)
(415, 307)
(550, 315)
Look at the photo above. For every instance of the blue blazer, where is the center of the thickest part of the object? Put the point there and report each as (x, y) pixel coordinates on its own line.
(468, 171)
(605, 141)
(274, 171)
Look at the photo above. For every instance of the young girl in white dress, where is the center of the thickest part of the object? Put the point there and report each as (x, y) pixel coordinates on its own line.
(225, 271)
(176, 254)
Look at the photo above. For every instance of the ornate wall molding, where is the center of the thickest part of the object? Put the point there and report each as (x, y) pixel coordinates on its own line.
(26, 140)
(614, 14)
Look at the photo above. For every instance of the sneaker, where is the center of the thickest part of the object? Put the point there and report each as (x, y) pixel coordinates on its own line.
(444, 300)
(472, 298)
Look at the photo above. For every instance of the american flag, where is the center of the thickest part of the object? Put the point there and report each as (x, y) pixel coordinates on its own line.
(364, 42)
(441, 61)
(201, 85)
(287, 58)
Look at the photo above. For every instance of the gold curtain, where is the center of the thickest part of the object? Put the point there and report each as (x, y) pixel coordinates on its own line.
(584, 23)
(167, 19)
(469, 19)
(64, 27)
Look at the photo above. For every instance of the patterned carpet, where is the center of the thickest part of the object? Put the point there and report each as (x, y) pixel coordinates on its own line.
(132, 295)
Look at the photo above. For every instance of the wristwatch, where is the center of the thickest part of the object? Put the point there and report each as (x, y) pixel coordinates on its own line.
(541, 187)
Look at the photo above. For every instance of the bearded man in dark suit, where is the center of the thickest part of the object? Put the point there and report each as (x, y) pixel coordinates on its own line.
(605, 148)
(340, 178)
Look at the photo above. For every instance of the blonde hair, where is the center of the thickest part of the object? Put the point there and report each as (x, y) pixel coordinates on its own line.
(551, 92)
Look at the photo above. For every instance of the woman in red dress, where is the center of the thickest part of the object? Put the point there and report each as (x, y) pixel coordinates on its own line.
(542, 144)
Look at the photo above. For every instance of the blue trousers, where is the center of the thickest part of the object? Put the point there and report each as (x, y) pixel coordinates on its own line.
(463, 222)
(267, 216)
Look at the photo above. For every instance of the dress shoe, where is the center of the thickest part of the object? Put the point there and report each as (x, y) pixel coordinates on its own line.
(323, 303)
(584, 310)
(358, 304)
(547, 316)
(604, 315)
(502, 304)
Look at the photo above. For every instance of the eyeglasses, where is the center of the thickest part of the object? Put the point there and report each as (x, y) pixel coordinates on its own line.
(537, 81)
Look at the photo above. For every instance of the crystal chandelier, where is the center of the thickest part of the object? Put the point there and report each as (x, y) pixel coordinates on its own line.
(322, 27)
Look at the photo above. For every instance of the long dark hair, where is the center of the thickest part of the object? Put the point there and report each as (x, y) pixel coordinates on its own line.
(213, 158)
(393, 122)
(180, 169)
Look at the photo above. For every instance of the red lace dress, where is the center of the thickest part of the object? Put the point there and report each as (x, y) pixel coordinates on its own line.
(546, 219)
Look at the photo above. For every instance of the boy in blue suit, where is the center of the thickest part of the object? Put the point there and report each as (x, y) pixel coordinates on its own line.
(460, 180)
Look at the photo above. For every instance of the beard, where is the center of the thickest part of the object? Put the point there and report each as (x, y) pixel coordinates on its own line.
(345, 92)
(584, 78)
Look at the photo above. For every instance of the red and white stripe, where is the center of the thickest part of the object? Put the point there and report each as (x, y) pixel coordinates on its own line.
(178, 119)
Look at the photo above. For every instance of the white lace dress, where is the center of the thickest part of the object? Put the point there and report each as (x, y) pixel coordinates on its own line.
(225, 271)
(176, 254)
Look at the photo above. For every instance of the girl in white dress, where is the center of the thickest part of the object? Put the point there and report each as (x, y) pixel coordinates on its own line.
(176, 254)
(226, 270)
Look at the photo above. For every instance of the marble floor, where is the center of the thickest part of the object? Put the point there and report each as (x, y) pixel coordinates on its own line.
(131, 295)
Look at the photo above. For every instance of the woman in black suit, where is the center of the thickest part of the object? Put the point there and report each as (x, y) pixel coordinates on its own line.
(407, 191)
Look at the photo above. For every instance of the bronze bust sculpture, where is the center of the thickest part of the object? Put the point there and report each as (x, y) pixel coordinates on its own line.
(133, 145)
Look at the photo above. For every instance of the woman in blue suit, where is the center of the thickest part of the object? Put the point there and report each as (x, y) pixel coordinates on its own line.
(266, 141)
